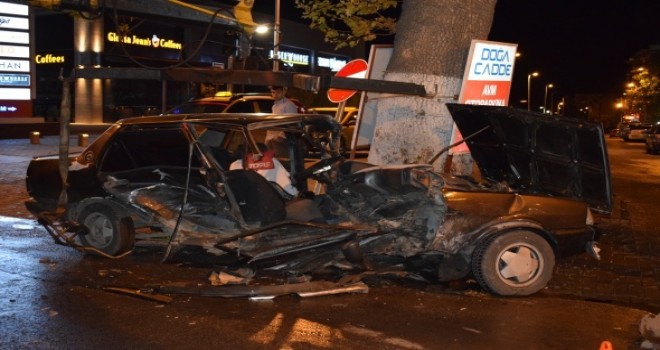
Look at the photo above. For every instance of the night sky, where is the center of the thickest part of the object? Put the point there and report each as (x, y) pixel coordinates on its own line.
(580, 46)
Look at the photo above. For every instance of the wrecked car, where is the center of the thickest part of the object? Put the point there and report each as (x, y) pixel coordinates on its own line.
(167, 180)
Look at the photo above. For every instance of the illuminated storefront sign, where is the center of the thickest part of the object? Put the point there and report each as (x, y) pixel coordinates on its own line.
(292, 57)
(486, 79)
(14, 65)
(14, 79)
(14, 37)
(48, 59)
(15, 93)
(7, 22)
(154, 41)
(14, 51)
(334, 63)
(13, 9)
(16, 90)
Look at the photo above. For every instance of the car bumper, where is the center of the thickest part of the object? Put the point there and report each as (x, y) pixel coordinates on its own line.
(578, 241)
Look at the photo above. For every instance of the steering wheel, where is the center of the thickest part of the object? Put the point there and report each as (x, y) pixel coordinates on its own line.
(318, 170)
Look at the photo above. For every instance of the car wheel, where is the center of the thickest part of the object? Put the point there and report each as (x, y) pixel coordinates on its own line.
(105, 231)
(514, 263)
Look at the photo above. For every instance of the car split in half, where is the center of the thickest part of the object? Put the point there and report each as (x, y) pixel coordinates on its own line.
(166, 179)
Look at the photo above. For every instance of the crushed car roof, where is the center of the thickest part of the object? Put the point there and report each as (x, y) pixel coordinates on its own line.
(243, 119)
(538, 153)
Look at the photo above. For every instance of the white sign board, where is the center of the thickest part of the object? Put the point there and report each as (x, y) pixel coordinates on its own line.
(379, 58)
(14, 51)
(14, 65)
(14, 37)
(8, 22)
(486, 80)
(14, 9)
(15, 93)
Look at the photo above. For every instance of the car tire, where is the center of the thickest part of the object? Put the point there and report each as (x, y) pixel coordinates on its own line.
(517, 262)
(105, 230)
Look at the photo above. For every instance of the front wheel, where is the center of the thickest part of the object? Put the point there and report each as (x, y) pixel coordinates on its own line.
(105, 230)
(513, 263)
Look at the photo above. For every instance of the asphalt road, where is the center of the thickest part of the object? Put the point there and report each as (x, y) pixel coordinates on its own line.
(53, 297)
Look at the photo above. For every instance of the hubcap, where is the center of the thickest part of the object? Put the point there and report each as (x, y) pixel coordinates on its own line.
(100, 230)
(519, 264)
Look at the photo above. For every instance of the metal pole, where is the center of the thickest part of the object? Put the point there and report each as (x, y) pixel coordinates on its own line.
(529, 92)
(552, 103)
(545, 99)
(276, 38)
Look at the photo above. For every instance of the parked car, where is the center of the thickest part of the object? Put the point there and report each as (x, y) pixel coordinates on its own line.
(213, 104)
(232, 103)
(616, 132)
(653, 139)
(165, 180)
(635, 131)
(347, 122)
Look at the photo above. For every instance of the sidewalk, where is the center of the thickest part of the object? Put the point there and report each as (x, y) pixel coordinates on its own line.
(15, 155)
(628, 273)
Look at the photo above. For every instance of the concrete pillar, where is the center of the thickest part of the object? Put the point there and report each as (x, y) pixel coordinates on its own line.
(88, 38)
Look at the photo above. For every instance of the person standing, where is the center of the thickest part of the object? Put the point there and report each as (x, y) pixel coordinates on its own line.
(282, 104)
(276, 140)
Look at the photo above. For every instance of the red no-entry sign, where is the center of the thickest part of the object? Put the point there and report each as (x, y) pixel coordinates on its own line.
(353, 69)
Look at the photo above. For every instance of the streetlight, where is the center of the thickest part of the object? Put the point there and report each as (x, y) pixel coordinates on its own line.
(262, 28)
(545, 99)
(529, 89)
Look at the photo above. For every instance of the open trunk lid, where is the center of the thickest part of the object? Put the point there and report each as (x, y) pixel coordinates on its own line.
(538, 153)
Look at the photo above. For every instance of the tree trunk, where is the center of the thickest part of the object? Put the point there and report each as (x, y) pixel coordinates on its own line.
(431, 46)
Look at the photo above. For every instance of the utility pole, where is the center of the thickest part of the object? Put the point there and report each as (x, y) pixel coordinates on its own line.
(276, 38)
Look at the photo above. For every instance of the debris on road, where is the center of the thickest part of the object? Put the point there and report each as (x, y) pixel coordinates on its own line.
(262, 292)
(649, 327)
(145, 293)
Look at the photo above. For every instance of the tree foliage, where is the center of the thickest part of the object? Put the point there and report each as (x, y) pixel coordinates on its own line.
(644, 88)
(348, 22)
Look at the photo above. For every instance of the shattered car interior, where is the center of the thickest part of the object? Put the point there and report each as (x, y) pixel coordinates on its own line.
(166, 180)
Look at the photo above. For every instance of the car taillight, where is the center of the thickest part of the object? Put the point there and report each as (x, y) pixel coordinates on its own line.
(590, 217)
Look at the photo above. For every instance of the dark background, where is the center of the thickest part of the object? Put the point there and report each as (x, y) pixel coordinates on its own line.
(579, 46)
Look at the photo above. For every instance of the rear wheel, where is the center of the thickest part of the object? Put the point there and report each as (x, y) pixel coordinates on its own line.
(106, 231)
(514, 263)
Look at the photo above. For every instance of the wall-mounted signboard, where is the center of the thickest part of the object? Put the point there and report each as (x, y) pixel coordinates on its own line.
(14, 51)
(16, 69)
(331, 61)
(11, 22)
(14, 79)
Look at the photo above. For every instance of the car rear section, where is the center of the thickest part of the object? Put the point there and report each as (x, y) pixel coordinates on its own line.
(542, 177)
(653, 139)
(637, 132)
